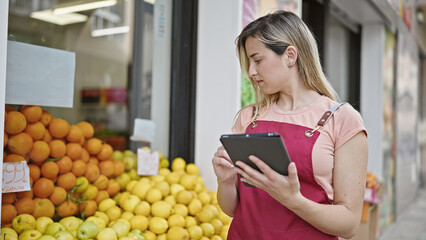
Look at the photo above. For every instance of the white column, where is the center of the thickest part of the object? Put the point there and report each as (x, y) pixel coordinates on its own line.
(372, 92)
(218, 79)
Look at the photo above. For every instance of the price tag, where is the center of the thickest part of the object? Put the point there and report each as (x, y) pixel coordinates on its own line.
(148, 163)
(16, 177)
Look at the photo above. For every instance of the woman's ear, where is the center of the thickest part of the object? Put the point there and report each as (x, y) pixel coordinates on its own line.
(291, 55)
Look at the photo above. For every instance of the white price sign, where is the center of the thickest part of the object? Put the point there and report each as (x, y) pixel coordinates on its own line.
(16, 177)
(148, 163)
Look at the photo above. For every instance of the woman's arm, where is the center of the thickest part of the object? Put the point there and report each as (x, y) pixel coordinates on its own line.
(227, 194)
(343, 217)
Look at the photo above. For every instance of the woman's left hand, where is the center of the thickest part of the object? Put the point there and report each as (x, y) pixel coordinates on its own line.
(284, 189)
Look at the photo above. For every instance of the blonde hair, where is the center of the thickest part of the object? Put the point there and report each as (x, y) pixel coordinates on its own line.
(277, 31)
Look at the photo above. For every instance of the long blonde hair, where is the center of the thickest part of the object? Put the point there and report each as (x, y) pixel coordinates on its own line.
(277, 31)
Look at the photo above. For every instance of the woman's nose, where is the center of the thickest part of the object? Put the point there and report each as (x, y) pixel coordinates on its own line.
(252, 71)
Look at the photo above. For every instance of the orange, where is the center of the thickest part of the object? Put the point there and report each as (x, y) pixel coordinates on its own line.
(107, 168)
(43, 207)
(35, 172)
(29, 194)
(47, 137)
(87, 129)
(8, 198)
(105, 153)
(64, 165)
(58, 196)
(5, 139)
(36, 130)
(25, 205)
(113, 187)
(15, 122)
(101, 182)
(85, 155)
(67, 181)
(45, 118)
(40, 151)
(43, 187)
(75, 134)
(88, 208)
(59, 128)
(49, 169)
(12, 157)
(58, 149)
(8, 213)
(92, 172)
(119, 168)
(94, 146)
(74, 151)
(32, 113)
(67, 208)
(102, 195)
(78, 168)
(20, 143)
(94, 160)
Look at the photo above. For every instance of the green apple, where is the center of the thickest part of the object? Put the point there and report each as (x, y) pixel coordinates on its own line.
(129, 162)
(128, 152)
(63, 235)
(133, 174)
(24, 222)
(54, 227)
(120, 228)
(130, 203)
(29, 235)
(138, 235)
(82, 183)
(106, 204)
(123, 180)
(42, 222)
(107, 234)
(117, 155)
(70, 223)
(8, 234)
(46, 237)
(87, 230)
(126, 238)
(100, 222)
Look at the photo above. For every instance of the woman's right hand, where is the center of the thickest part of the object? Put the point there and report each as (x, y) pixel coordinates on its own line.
(223, 167)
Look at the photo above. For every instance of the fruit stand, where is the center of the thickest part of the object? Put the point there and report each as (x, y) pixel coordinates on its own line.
(82, 188)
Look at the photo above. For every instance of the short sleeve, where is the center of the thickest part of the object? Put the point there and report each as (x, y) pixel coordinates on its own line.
(243, 120)
(348, 123)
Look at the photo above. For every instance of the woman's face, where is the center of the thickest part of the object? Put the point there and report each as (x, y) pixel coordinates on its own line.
(267, 68)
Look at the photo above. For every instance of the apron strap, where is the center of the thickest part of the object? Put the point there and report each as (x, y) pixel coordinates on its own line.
(324, 119)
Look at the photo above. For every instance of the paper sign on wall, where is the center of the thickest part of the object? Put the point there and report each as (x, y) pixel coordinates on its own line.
(16, 177)
(148, 163)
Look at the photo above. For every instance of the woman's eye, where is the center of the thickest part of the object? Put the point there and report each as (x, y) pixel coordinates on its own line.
(257, 61)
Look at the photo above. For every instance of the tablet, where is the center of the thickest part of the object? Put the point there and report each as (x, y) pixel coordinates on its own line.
(269, 147)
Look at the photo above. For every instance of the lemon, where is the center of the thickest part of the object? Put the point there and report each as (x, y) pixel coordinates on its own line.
(180, 209)
(208, 229)
(176, 220)
(146, 148)
(195, 232)
(143, 208)
(157, 178)
(224, 233)
(218, 225)
(159, 225)
(172, 178)
(184, 197)
(204, 197)
(99, 222)
(188, 181)
(125, 221)
(213, 195)
(102, 215)
(114, 213)
(190, 221)
(162, 236)
(123, 197)
(205, 215)
(199, 187)
(130, 185)
(161, 209)
(175, 188)
(195, 206)
(163, 171)
(149, 235)
(216, 237)
(139, 222)
(141, 188)
(127, 215)
(178, 164)
(177, 233)
(225, 219)
(170, 199)
(212, 208)
(164, 162)
(164, 187)
(153, 195)
(106, 204)
(192, 169)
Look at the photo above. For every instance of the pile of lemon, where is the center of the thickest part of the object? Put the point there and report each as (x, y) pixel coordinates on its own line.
(175, 204)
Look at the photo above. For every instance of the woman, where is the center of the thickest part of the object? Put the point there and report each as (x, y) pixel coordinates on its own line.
(322, 196)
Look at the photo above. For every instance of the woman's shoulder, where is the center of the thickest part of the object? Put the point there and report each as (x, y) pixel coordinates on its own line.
(243, 119)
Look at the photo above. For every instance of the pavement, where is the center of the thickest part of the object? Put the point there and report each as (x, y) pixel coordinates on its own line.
(411, 224)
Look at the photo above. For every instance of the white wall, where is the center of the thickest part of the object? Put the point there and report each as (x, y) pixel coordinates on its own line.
(372, 43)
(218, 79)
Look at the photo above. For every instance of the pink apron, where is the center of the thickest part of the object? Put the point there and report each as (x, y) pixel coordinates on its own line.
(258, 215)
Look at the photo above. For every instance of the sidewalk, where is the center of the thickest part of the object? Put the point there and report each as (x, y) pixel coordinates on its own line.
(411, 224)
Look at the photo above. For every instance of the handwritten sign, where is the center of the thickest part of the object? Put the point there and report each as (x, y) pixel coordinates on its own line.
(148, 163)
(16, 177)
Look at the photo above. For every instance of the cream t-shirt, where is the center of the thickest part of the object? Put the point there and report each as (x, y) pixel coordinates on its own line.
(342, 126)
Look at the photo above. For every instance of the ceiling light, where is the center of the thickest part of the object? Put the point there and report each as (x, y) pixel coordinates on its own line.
(150, 1)
(82, 6)
(109, 31)
(63, 19)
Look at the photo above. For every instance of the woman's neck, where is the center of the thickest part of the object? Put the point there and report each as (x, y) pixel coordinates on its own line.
(297, 99)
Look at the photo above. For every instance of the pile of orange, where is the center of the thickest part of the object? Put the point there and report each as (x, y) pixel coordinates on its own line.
(58, 154)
